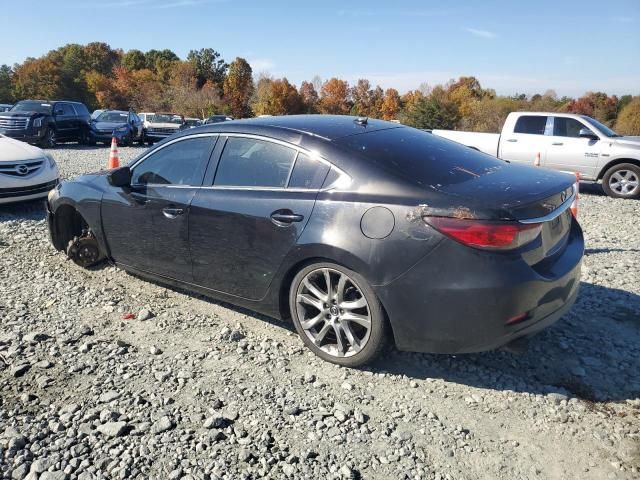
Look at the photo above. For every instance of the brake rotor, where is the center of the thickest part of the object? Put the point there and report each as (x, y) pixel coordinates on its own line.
(84, 251)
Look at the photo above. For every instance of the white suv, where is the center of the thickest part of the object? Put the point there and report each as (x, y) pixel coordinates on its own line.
(26, 172)
(158, 126)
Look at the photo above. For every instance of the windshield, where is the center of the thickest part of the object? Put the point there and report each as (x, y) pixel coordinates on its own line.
(603, 128)
(31, 106)
(113, 117)
(164, 118)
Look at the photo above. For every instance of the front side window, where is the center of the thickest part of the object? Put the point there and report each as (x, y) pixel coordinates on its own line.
(566, 127)
(308, 173)
(65, 109)
(248, 162)
(181, 163)
(531, 124)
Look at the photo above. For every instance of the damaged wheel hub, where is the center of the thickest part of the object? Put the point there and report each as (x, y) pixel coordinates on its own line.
(84, 250)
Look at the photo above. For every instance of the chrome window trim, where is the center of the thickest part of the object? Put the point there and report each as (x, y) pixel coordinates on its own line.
(342, 175)
(556, 213)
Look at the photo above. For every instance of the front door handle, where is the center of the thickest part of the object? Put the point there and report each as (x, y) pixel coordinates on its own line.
(512, 140)
(285, 217)
(172, 212)
(557, 143)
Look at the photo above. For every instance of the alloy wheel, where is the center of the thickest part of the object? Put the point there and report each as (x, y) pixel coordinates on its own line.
(51, 139)
(624, 182)
(333, 312)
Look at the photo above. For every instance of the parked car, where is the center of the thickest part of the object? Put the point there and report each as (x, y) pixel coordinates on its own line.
(46, 122)
(96, 113)
(567, 142)
(217, 119)
(126, 127)
(158, 126)
(26, 172)
(362, 231)
(5, 107)
(191, 122)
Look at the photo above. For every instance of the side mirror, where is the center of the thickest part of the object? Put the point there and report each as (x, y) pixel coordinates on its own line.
(586, 133)
(120, 177)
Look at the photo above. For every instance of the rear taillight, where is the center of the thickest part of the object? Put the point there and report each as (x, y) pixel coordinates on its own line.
(486, 235)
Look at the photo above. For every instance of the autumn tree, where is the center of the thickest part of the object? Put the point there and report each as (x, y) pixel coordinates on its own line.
(629, 119)
(362, 98)
(209, 65)
(238, 88)
(334, 97)
(390, 104)
(434, 111)
(309, 97)
(36, 78)
(596, 104)
(6, 86)
(261, 95)
(134, 60)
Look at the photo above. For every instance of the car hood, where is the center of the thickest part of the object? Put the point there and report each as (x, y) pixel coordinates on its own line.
(627, 141)
(108, 125)
(163, 125)
(20, 114)
(13, 150)
(509, 191)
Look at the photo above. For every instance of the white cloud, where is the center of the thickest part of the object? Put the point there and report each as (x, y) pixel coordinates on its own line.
(481, 33)
(261, 65)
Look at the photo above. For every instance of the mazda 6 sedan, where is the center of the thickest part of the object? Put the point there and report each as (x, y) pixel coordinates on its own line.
(361, 231)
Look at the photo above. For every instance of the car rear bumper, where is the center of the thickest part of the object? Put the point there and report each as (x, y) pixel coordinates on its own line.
(460, 300)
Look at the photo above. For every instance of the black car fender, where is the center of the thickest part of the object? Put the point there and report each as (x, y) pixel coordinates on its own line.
(71, 202)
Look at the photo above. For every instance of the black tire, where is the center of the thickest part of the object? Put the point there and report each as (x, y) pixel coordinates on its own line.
(378, 335)
(149, 142)
(50, 138)
(141, 140)
(83, 139)
(622, 181)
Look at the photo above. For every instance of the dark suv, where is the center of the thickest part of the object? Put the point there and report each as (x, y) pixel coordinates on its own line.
(46, 122)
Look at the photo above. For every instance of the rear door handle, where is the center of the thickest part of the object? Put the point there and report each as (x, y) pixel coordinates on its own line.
(512, 140)
(285, 217)
(557, 143)
(172, 212)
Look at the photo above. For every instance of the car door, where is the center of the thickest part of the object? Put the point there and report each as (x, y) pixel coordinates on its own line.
(526, 140)
(567, 151)
(250, 216)
(147, 224)
(64, 115)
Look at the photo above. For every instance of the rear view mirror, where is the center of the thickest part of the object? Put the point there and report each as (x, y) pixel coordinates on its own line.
(586, 133)
(120, 177)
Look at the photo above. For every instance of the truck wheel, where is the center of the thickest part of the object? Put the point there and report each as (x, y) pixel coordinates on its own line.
(50, 139)
(622, 181)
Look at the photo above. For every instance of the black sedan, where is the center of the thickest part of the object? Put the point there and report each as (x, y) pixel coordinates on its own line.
(126, 127)
(360, 231)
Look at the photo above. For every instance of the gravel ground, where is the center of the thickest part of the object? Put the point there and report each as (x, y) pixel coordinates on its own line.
(192, 388)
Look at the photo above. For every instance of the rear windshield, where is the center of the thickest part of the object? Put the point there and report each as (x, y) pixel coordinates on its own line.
(420, 157)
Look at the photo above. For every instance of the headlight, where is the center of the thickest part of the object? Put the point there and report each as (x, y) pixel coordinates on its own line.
(49, 157)
(37, 122)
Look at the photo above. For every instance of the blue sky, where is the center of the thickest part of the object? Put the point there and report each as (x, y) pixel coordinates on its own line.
(511, 46)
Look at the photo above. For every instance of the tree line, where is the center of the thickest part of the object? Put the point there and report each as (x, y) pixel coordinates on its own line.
(204, 84)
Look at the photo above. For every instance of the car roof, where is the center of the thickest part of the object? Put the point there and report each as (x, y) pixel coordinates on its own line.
(329, 127)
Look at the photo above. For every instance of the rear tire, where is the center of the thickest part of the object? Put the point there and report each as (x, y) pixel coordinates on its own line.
(337, 314)
(622, 181)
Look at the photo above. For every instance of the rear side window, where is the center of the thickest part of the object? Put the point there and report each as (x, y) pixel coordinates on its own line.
(308, 173)
(566, 127)
(249, 162)
(80, 109)
(421, 158)
(534, 125)
(64, 109)
(181, 163)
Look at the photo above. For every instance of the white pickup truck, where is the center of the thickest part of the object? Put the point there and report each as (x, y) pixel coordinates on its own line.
(568, 142)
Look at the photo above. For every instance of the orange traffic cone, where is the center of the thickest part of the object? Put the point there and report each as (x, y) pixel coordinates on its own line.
(574, 204)
(114, 159)
(536, 162)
